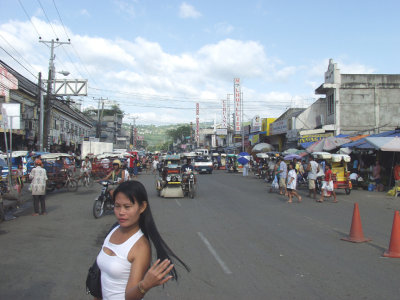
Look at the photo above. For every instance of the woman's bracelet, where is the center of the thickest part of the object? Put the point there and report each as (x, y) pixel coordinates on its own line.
(141, 289)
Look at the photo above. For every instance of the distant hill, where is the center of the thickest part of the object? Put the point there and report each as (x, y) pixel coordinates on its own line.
(157, 134)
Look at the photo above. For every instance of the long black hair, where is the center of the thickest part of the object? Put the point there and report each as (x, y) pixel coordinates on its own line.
(136, 192)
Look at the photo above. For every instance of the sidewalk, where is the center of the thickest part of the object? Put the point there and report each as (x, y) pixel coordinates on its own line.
(14, 207)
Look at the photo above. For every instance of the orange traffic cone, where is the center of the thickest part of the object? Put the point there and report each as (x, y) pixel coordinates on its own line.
(356, 232)
(394, 246)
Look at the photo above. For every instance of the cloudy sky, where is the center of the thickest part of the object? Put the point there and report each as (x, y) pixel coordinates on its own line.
(158, 58)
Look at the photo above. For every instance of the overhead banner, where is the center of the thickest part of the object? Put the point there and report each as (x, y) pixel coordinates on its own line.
(224, 123)
(238, 105)
(197, 124)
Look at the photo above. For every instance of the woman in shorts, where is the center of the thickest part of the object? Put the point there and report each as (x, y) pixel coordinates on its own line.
(291, 183)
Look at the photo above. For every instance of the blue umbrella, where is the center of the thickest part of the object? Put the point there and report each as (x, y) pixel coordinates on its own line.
(243, 158)
(292, 156)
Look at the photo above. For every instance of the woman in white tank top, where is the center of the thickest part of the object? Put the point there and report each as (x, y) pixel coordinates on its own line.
(125, 257)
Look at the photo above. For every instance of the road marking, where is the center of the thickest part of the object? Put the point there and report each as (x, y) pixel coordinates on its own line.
(177, 202)
(215, 254)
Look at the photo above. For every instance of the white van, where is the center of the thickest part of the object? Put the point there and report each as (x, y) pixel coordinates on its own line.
(202, 152)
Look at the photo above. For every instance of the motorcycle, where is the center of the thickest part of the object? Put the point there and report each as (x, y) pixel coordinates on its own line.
(215, 165)
(189, 185)
(231, 168)
(104, 201)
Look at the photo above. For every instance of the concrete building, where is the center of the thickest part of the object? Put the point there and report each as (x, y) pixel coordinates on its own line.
(359, 103)
(67, 126)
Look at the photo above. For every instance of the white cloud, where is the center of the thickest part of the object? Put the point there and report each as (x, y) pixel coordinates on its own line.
(84, 12)
(125, 7)
(285, 72)
(149, 82)
(187, 11)
(318, 68)
(355, 68)
(223, 28)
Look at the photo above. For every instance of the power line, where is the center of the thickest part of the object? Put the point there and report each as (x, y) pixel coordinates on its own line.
(80, 59)
(29, 18)
(17, 52)
(65, 51)
(18, 62)
(48, 20)
(186, 98)
(70, 59)
(59, 16)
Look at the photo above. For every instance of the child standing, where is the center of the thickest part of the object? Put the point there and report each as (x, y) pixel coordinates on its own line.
(327, 185)
(291, 183)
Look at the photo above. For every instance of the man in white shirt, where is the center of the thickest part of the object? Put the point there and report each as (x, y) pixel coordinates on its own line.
(155, 164)
(313, 169)
(282, 177)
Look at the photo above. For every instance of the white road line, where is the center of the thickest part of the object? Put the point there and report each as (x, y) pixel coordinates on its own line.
(215, 254)
(177, 202)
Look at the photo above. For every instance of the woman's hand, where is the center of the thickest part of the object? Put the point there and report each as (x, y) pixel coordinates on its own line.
(156, 275)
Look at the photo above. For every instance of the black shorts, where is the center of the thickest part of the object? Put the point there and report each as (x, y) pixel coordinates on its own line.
(289, 190)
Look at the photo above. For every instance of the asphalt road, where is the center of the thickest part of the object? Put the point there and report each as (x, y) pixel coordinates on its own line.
(240, 241)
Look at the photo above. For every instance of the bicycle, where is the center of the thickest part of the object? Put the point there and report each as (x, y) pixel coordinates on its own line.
(86, 180)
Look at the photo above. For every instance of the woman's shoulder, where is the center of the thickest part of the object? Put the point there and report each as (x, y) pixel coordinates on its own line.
(141, 248)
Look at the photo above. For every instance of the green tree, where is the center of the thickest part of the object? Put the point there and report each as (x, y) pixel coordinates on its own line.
(92, 113)
(179, 133)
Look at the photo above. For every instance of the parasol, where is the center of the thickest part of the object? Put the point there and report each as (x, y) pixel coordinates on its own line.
(262, 147)
(243, 158)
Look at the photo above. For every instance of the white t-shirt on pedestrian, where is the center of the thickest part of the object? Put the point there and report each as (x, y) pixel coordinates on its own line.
(283, 169)
(292, 185)
(312, 174)
(155, 163)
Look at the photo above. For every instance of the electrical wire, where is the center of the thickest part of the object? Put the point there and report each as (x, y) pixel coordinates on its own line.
(59, 16)
(18, 62)
(48, 20)
(29, 18)
(17, 52)
(73, 48)
(186, 98)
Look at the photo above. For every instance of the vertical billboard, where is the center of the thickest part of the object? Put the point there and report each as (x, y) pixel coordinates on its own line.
(197, 124)
(256, 124)
(238, 107)
(224, 120)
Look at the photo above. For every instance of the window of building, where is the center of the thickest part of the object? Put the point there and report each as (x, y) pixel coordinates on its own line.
(331, 104)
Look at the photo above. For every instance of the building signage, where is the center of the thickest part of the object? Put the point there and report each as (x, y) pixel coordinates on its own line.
(313, 137)
(221, 131)
(238, 105)
(197, 124)
(11, 115)
(224, 125)
(279, 127)
(256, 124)
(7, 82)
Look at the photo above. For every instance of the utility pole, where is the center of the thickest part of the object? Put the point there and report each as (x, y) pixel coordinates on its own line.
(133, 132)
(41, 123)
(99, 116)
(47, 105)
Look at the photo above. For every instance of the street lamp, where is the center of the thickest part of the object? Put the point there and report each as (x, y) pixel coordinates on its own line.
(65, 73)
